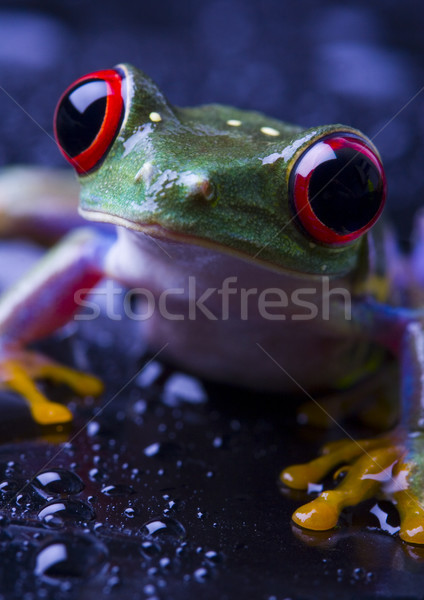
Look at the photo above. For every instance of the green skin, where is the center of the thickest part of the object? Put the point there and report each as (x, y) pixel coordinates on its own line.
(247, 210)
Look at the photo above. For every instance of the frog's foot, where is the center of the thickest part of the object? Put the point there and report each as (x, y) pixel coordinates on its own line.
(328, 410)
(378, 411)
(20, 369)
(372, 399)
(382, 466)
(408, 491)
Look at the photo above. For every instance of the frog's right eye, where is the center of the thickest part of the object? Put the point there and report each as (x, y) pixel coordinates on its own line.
(337, 188)
(88, 118)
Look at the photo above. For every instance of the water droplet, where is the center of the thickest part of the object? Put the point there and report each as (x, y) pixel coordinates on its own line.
(58, 482)
(149, 549)
(93, 428)
(23, 500)
(139, 407)
(73, 556)
(9, 487)
(201, 574)
(165, 450)
(11, 470)
(99, 527)
(111, 583)
(152, 450)
(359, 573)
(149, 589)
(96, 474)
(129, 512)
(149, 374)
(181, 551)
(181, 387)
(164, 527)
(57, 513)
(118, 489)
(213, 557)
(165, 562)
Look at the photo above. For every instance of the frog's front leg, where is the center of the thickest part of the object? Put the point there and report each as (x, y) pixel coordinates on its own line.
(39, 203)
(391, 465)
(39, 304)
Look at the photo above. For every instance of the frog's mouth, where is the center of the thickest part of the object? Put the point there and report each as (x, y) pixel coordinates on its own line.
(151, 229)
(159, 232)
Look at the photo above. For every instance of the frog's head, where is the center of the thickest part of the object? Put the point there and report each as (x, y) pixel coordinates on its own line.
(295, 199)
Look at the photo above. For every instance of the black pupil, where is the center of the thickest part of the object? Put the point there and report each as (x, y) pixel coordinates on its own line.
(80, 116)
(346, 192)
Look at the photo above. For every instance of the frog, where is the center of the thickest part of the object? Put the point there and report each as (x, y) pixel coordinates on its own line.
(260, 259)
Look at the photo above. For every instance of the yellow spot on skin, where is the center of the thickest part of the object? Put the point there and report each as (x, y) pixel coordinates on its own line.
(270, 131)
(234, 122)
(155, 117)
(376, 285)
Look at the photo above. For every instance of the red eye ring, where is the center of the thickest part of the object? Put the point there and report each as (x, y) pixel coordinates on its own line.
(337, 189)
(73, 127)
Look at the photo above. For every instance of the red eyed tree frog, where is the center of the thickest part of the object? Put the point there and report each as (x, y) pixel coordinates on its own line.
(273, 229)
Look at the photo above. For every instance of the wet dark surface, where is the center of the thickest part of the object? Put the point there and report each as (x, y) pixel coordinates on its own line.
(173, 494)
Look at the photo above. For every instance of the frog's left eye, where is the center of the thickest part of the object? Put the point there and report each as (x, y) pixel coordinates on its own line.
(337, 188)
(88, 118)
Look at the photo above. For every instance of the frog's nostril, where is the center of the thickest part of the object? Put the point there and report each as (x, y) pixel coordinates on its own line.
(88, 118)
(200, 188)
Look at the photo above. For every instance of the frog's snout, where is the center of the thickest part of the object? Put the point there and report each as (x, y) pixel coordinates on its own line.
(196, 186)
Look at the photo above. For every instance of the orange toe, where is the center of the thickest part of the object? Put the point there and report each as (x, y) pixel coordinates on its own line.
(318, 515)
